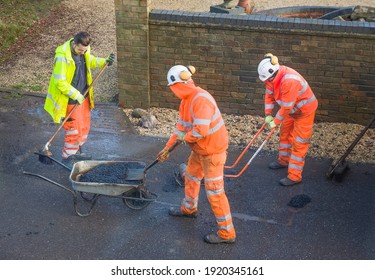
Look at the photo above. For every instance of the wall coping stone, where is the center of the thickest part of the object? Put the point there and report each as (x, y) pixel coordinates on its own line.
(259, 21)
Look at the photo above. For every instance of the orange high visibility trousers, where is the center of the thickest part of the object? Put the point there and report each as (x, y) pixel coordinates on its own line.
(295, 137)
(76, 128)
(211, 168)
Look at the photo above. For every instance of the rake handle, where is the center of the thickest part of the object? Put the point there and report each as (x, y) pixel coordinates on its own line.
(75, 106)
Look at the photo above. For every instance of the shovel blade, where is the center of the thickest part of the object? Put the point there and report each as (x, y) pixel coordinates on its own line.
(135, 174)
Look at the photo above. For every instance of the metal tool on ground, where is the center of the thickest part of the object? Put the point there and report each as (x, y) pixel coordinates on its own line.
(254, 155)
(44, 153)
(339, 168)
(55, 160)
(138, 174)
(247, 147)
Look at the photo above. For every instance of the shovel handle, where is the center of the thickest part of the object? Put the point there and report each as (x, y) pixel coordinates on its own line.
(178, 142)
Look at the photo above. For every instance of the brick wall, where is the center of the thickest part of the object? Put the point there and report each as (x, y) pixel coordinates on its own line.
(132, 52)
(336, 58)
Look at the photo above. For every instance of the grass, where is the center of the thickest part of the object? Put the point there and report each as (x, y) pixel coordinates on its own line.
(16, 17)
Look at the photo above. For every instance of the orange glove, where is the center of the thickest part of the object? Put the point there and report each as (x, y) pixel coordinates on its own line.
(163, 155)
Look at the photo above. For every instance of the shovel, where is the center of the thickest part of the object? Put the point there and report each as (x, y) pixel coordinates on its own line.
(338, 169)
(139, 173)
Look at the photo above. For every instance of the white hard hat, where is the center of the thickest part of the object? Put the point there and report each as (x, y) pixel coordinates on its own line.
(180, 74)
(268, 67)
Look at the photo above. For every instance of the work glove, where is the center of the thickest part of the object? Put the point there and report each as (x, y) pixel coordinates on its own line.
(272, 124)
(110, 59)
(268, 119)
(181, 135)
(163, 155)
(80, 98)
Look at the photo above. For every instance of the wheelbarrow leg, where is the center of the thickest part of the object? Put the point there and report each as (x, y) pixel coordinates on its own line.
(92, 204)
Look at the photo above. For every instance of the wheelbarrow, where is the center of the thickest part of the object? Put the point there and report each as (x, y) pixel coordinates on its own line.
(83, 183)
(90, 183)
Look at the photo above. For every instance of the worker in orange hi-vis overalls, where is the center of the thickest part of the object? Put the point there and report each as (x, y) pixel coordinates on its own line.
(201, 126)
(298, 104)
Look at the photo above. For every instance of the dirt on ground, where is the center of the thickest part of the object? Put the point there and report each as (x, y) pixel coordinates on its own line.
(32, 65)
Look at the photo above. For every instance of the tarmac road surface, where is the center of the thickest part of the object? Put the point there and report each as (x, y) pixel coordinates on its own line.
(38, 221)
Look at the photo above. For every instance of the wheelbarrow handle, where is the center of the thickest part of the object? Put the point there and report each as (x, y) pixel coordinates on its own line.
(254, 155)
(174, 146)
(247, 147)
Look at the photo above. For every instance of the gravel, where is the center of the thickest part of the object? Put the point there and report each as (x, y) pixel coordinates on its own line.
(31, 68)
(329, 140)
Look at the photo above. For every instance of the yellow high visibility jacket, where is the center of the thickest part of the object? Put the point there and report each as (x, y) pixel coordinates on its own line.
(60, 88)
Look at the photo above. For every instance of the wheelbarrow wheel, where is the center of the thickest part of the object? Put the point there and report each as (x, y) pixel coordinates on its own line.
(137, 199)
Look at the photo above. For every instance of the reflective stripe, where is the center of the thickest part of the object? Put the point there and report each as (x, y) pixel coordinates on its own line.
(178, 131)
(303, 140)
(216, 127)
(297, 158)
(224, 218)
(215, 192)
(201, 121)
(228, 227)
(61, 59)
(97, 61)
(285, 104)
(186, 124)
(286, 146)
(71, 92)
(269, 106)
(216, 115)
(57, 106)
(72, 132)
(59, 77)
(205, 95)
(279, 117)
(268, 91)
(214, 179)
(295, 166)
(187, 205)
(302, 103)
(188, 200)
(196, 134)
(195, 179)
(67, 145)
(285, 154)
(304, 84)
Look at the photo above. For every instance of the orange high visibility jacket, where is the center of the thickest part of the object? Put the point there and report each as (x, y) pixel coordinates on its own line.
(200, 118)
(293, 94)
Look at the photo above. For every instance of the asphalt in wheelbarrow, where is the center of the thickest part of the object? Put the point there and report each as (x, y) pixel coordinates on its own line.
(112, 173)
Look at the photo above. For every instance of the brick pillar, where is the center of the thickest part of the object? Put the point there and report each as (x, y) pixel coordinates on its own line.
(132, 36)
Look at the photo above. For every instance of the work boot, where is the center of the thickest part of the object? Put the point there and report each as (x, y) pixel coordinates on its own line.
(276, 165)
(177, 212)
(287, 182)
(213, 238)
(80, 155)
